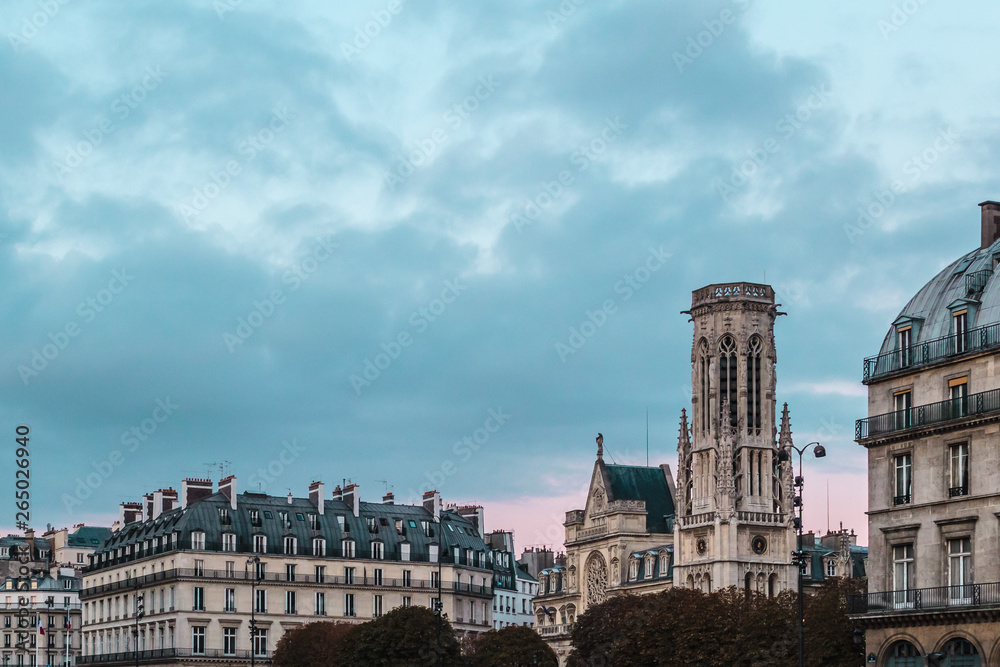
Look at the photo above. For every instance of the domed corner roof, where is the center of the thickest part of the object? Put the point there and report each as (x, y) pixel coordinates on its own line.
(931, 305)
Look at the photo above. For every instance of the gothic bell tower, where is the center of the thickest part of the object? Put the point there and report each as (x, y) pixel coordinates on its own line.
(734, 519)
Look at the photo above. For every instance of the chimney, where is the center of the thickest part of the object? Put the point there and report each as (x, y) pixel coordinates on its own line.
(169, 499)
(991, 223)
(474, 513)
(227, 487)
(316, 496)
(432, 503)
(389, 499)
(157, 504)
(147, 507)
(337, 493)
(352, 496)
(193, 489)
(129, 513)
(289, 497)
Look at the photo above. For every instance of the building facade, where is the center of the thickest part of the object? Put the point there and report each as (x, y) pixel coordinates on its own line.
(934, 469)
(180, 585)
(513, 587)
(734, 525)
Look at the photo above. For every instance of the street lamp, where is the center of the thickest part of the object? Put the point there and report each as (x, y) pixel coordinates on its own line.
(140, 611)
(799, 556)
(439, 603)
(255, 561)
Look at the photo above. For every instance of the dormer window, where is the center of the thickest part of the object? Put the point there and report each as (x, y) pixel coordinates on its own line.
(905, 335)
(197, 540)
(290, 545)
(372, 524)
(229, 541)
(255, 517)
(960, 326)
(224, 516)
(348, 548)
(260, 544)
(633, 569)
(378, 550)
(314, 522)
(319, 546)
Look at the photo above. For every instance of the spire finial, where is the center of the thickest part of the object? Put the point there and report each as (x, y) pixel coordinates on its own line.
(600, 447)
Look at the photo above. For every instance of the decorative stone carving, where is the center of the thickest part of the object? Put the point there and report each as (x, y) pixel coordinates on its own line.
(597, 579)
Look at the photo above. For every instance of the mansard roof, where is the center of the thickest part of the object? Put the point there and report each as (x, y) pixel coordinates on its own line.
(88, 536)
(643, 483)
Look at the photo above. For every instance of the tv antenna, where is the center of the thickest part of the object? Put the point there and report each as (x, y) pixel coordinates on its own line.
(225, 468)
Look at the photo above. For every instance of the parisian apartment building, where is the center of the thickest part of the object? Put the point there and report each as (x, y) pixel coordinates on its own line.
(212, 576)
(932, 435)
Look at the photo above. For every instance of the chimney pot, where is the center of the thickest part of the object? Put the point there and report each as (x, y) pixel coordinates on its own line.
(316, 496)
(990, 223)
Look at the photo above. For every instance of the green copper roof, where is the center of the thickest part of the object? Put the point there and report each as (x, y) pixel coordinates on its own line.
(642, 483)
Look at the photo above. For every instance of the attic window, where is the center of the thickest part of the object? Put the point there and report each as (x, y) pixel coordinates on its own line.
(298, 515)
(964, 264)
(267, 515)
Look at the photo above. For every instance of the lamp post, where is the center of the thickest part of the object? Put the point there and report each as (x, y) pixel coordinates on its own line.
(799, 556)
(439, 603)
(255, 561)
(140, 611)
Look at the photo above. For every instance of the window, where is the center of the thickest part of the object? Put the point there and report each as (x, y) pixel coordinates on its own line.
(313, 522)
(198, 640)
(434, 579)
(290, 546)
(902, 405)
(377, 576)
(376, 606)
(261, 571)
(224, 516)
(289, 602)
(289, 572)
(349, 604)
(961, 330)
(633, 570)
(960, 569)
(229, 541)
(958, 391)
(407, 581)
(230, 604)
(753, 386)
(260, 601)
(433, 553)
(260, 544)
(727, 379)
(404, 551)
(199, 599)
(831, 568)
(230, 568)
(959, 474)
(260, 643)
(903, 476)
(255, 517)
(199, 567)
(198, 542)
(406, 601)
(319, 546)
(902, 573)
(320, 574)
(348, 547)
(348, 575)
(229, 641)
(320, 604)
(905, 346)
(378, 550)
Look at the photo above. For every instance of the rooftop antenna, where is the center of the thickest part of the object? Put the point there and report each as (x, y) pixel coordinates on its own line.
(828, 505)
(647, 437)
(385, 483)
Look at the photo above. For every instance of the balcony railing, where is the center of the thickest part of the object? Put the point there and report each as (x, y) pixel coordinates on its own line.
(555, 630)
(956, 491)
(979, 339)
(920, 599)
(976, 281)
(925, 415)
(130, 657)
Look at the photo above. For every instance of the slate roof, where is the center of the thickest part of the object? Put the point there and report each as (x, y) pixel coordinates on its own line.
(643, 483)
(204, 515)
(88, 536)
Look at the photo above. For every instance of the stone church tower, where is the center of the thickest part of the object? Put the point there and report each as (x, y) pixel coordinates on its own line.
(734, 511)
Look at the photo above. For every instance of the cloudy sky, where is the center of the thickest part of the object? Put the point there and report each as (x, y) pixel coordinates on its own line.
(342, 240)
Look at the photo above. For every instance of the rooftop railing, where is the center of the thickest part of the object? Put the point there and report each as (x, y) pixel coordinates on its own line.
(932, 351)
(968, 596)
(925, 415)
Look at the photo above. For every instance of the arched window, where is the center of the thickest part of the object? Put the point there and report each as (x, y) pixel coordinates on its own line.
(747, 583)
(728, 381)
(597, 579)
(753, 386)
(960, 652)
(772, 585)
(904, 654)
(704, 365)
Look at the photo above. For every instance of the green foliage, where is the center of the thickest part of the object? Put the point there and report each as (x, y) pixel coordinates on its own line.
(405, 637)
(691, 629)
(513, 646)
(312, 645)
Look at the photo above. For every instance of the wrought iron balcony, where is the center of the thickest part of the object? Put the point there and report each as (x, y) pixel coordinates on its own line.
(957, 491)
(932, 351)
(901, 500)
(925, 415)
(976, 282)
(922, 599)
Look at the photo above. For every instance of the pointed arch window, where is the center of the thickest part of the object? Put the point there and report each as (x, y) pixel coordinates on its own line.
(703, 360)
(753, 386)
(728, 390)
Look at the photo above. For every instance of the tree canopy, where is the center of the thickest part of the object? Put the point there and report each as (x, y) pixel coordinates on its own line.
(312, 645)
(513, 646)
(403, 637)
